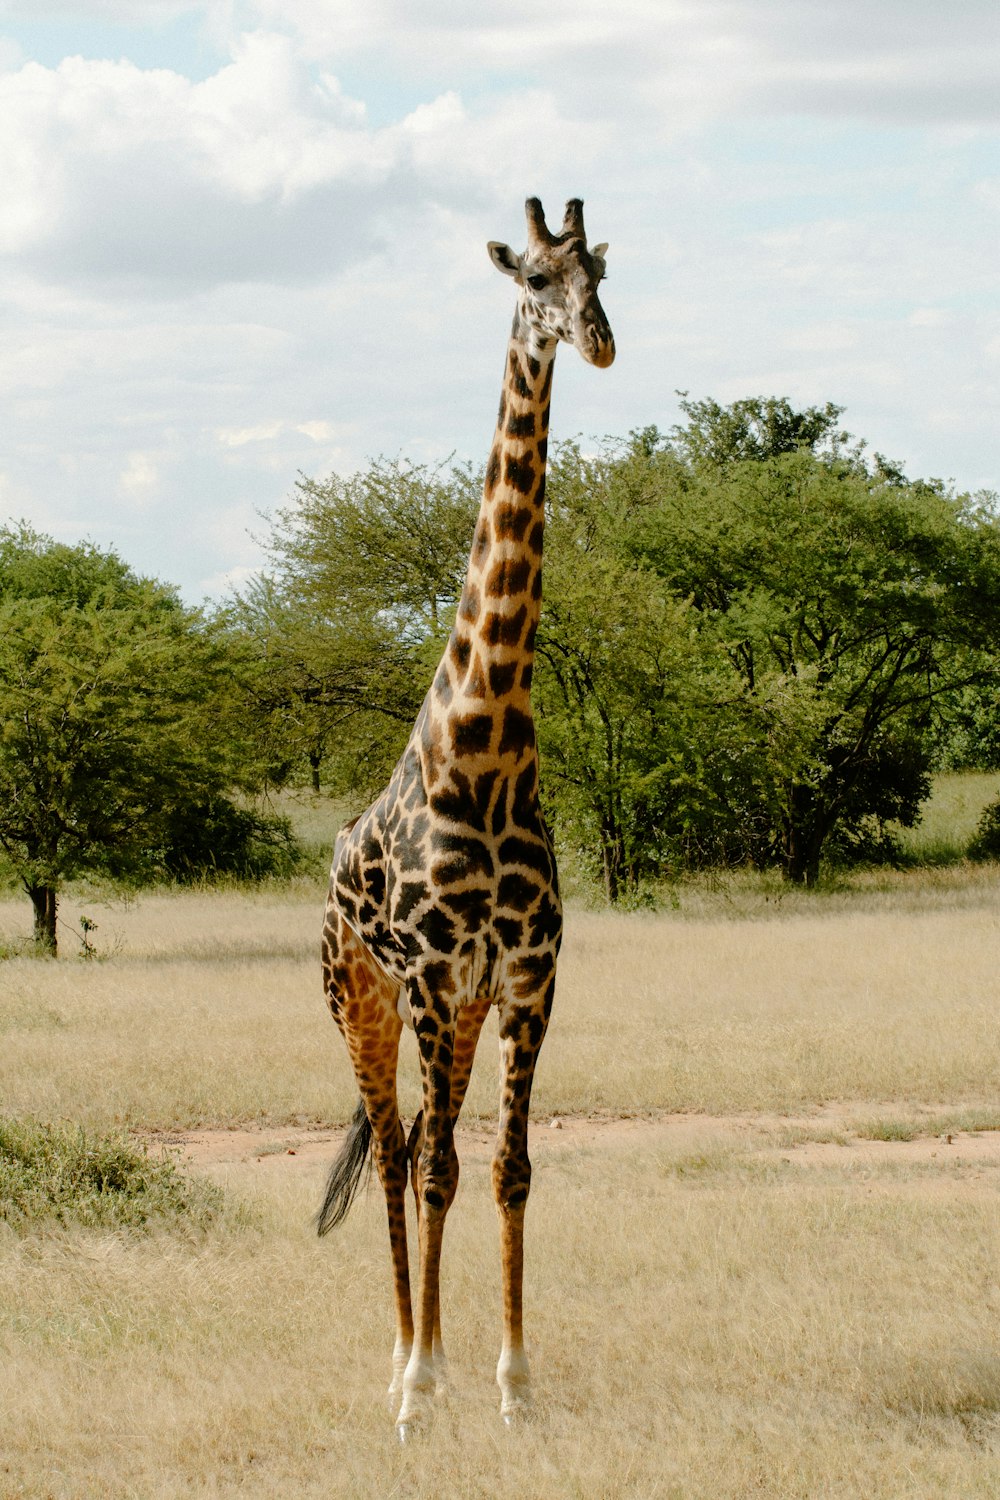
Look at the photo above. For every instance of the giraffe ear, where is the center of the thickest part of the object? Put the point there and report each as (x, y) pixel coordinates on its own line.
(600, 252)
(504, 258)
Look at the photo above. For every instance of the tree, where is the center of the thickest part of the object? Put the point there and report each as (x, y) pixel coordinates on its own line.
(111, 713)
(967, 729)
(391, 542)
(847, 601)
(755, 429)
(345, 627)
(314, 683)
(617, 670)
(749, 632)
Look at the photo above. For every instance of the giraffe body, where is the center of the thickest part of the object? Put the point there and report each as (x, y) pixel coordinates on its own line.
(444, 895)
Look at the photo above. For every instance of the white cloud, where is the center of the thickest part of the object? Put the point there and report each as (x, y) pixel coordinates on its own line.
(138, 179)
(220, 585)
(281, 267)
(140, 478)
(929, 317)
(128, 11)
(901, 59)
(121, 173)
(238, 437)
(823, 338)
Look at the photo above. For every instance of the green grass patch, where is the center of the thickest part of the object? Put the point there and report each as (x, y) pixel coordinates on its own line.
(61, 1174)
(809, 1135)
(890, 1130)
(972, 1118)
(949, 817)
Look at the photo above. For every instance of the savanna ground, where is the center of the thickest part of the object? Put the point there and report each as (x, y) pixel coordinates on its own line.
(763, 1253)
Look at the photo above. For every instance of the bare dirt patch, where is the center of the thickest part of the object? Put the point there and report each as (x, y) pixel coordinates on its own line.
(836, 1139)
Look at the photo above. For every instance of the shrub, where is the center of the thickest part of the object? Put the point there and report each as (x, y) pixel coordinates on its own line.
(59, 1173)
(215, 837)
(985, 843)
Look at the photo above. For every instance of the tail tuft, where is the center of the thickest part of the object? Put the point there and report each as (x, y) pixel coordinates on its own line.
(345, 1174)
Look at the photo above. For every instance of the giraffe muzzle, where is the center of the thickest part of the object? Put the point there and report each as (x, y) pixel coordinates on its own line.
(598, 346)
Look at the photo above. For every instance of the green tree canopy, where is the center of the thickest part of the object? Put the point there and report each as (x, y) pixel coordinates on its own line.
(754, 429)
(749, 630)
(111, 727)
(847, 602)
(345, 626)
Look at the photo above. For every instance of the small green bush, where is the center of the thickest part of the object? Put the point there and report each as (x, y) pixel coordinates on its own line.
(60, 1174)
(215, 837)
(985, 843)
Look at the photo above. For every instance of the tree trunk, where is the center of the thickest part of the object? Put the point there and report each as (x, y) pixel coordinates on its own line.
(612, 858)
(314, 763)
(803, 844)
(44, 900)
(803, 870)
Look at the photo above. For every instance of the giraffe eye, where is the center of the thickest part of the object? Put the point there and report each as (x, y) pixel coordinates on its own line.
(537, 282)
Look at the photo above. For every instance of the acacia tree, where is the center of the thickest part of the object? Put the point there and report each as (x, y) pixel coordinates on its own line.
(847, 601)
(619, 672)
(316, 682)
(748, 632)
(111, 729)
(748, 629)
(344, 628)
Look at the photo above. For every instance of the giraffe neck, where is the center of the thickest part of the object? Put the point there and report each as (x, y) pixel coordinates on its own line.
(490, 655)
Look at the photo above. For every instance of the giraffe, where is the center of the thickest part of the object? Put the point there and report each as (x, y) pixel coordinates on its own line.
(444, 897)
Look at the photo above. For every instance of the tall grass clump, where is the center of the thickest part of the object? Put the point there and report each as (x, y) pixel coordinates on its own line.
(61, 1174)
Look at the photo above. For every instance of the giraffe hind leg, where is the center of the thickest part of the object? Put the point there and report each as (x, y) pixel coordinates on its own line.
(363, 1001)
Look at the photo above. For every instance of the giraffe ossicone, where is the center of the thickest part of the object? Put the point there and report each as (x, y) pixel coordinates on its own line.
(444, 898)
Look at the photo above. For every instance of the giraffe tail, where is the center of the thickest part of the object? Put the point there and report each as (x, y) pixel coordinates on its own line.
(345, 1174)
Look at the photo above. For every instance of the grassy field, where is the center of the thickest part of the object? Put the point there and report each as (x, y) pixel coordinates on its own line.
(716, 1307)
(950, 815)
(209, 1012)
(700, 1326)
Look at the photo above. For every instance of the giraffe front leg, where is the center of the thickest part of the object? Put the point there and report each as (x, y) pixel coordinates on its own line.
(521, 1033)
(392, 1168)
(440, 1358)
(437, 1168)
(468, 1026)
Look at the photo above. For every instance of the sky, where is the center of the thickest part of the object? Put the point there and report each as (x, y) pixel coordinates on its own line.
(243, 240)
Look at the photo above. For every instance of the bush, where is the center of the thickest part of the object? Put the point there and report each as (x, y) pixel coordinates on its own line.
(215, 837)
(61, 1174)
(985, 843)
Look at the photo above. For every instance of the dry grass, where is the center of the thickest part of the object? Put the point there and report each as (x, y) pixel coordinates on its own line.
(706, 1318)
(211, 1014)
(718, 1331)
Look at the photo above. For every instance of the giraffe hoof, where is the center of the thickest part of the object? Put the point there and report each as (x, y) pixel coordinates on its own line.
(414, 1415)
(516, 1414)
(409, 1431)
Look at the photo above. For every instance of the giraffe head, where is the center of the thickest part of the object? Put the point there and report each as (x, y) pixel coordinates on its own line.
(558, 278)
